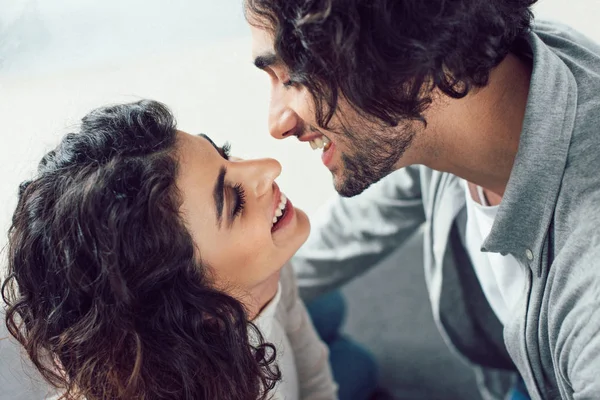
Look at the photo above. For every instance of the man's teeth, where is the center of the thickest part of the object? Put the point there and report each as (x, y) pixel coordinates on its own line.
(319, 142)
(280, 208)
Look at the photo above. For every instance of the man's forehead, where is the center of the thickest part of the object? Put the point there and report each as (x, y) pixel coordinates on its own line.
(262, 42)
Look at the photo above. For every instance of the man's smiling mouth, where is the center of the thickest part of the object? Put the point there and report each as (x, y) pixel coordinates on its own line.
(316, 140)
(320, 143)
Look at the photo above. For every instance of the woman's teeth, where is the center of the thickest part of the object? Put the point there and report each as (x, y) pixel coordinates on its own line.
(280, 208)
(320, 143)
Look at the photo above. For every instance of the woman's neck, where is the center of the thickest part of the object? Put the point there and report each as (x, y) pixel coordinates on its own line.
(261, 295)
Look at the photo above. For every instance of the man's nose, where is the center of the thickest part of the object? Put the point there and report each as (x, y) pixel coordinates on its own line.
(283, 121)
(258, 175)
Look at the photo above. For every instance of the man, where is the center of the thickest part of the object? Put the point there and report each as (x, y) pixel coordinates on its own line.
(493, 129)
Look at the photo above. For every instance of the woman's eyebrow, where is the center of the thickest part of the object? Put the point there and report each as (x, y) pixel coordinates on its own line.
(219, 188)
(219, 194)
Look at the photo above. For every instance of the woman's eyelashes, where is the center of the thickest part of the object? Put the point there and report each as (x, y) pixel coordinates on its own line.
(239, 200)
(239, 196)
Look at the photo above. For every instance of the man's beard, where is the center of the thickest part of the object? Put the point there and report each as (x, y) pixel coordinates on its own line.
(371, 159)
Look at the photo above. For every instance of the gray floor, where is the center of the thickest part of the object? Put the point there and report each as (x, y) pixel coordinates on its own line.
(389, 312)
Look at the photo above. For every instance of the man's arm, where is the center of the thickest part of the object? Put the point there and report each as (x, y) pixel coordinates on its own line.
(350, 235)
(579, 337)
(574, 311)
(585, 372)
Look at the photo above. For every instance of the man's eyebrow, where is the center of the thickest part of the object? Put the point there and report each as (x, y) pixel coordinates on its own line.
(219, 149)
(266, 60)
(219, 194)
(203, 135)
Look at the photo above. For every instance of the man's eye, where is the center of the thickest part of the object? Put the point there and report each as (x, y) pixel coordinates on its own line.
(289, 83)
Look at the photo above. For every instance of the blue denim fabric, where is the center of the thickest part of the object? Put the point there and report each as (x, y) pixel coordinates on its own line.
(519, 392)
(354, 368)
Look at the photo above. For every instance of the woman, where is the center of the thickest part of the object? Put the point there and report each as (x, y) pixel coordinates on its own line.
(146, 263)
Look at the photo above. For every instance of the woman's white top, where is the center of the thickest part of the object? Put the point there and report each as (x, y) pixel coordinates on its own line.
(302, 357)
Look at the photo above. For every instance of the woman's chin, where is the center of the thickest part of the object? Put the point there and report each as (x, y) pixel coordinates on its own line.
(303, 224)
(302, 229)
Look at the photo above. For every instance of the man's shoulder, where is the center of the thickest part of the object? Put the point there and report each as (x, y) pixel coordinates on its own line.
(580, 53)
(565, 39)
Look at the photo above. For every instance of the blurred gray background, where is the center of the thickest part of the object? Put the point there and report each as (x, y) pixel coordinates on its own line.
(60, 58)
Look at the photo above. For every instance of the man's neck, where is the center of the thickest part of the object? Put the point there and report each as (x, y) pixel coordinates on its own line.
(477, 137)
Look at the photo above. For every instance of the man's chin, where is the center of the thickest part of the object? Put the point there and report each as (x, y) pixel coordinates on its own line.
(337, 180)
(338, 186)
(348, 187)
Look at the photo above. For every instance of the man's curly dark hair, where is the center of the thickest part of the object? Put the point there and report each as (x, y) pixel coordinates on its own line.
(386, 56)
(105, 290)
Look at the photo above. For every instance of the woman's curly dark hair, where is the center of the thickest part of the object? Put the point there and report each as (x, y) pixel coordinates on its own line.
(386, 56)
(104, 288)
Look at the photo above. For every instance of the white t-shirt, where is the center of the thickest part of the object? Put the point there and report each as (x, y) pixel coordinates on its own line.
(301, 355)
(274, 333)
(502, 278)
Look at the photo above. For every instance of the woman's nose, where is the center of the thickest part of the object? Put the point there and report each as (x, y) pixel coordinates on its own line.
(282, 120)
(258, 175)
